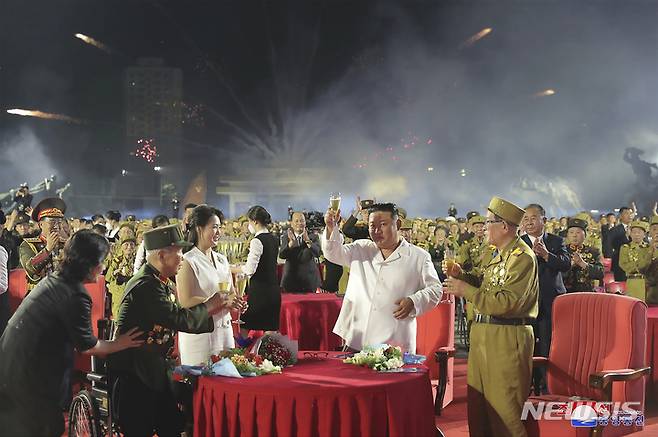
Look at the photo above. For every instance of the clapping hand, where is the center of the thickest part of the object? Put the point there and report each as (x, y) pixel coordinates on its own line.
(292, 240)
(540, 249)
(578, 260)
(305, 237)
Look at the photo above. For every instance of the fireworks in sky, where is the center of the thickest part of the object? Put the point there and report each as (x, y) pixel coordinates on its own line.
(193, 114)
(146, 150)
(45, 115)
(545, 93)
(389, 153)
(91, 41)
(475, 38)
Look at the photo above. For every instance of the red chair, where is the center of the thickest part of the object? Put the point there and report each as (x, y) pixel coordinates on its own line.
(597, 354)
(17, 288)
(96, 291)
(608, 278)
(607, 265)
(616, 287)
(435, 337)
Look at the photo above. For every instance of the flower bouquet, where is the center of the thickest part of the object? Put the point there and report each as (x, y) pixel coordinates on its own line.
(277, 348)
(381, 358)
(235, 363)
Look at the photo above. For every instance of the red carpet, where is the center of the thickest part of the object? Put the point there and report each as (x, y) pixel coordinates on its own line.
(453, 418)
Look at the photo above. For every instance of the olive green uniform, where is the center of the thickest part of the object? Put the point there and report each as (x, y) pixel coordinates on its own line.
(36, 260)
(118, 273)
(473, 256)
(500, 356)
(635, 259)
(582, 279)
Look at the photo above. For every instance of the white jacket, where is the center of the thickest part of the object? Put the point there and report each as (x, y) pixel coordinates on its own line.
(375, 284)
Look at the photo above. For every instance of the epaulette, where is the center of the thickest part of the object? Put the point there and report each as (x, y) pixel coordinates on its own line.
(33, 240)
(516, 252)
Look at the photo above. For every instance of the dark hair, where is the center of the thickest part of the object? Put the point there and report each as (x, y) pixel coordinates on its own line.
(384, 207)
(624, 208)
(159, 220)
(260, 215)
(539, 208)
(190, 205)
(200, 216)
(82, 253)
(610, 214)
(441, 228)
(99, 229)
(113, 215)
(96, 217)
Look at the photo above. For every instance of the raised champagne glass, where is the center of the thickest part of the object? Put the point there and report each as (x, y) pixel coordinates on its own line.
(334, 201)
(449, 257)
(240, 287)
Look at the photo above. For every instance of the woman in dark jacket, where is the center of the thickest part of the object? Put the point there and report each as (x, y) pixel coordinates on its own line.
(36, 349)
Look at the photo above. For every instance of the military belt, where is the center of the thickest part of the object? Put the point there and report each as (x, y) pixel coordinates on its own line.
(491, 320)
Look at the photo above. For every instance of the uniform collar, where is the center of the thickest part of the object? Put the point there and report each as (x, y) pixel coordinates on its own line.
(150, 269)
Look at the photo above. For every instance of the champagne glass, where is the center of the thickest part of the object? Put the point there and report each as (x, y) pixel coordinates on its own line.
(334, 201)
(449, 257)
(240, 287)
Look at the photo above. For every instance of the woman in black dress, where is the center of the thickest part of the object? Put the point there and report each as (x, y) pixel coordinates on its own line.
(263, 291)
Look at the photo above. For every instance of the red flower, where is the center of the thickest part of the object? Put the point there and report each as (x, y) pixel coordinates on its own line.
(214, 358)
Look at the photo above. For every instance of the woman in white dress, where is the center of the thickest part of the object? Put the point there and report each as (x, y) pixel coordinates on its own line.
(198, 279)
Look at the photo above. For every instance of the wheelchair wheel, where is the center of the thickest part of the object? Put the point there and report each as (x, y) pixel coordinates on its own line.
(84, 419)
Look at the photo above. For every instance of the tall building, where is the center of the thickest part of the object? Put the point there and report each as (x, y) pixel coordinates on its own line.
(153, 95)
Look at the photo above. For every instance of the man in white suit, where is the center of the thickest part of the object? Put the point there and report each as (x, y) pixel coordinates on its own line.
(391, 281)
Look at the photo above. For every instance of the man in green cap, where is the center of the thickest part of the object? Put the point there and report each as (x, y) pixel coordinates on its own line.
(146, 402)
(586, 265)
(652, 273)
(635, 259)
(39, 256)
(501, 339)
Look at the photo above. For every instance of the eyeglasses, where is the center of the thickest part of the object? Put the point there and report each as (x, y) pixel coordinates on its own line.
(316, 355)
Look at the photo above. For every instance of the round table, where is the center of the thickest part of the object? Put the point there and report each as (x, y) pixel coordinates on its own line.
(316, 397)
(310, 319)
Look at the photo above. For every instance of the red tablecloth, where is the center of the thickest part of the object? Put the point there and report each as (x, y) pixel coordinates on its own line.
(652, 352)
(309, 319)
(316, 398)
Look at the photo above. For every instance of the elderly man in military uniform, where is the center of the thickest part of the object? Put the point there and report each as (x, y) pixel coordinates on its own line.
(39, 256)
(635, 259)
(586, 266)
(502, 340)
(652, 272)
(146, 402)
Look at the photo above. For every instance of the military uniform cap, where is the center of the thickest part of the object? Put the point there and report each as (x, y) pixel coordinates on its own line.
(22, 218)
(476, 219)
(640, 224)
(165, 236)
(402, 213)
(406, 224)
(654, 220)
(127, 239)
(583, 216)
(53, 207)
(130, 225)
(506, 210)
(576, 222)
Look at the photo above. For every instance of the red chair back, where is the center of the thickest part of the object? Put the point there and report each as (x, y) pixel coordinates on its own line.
(96, 291)
(608, 278)
(615, 287)
(607, 265)
(594, 332)
(17, 288)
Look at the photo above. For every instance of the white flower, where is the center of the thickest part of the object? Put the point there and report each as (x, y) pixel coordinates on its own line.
(268, 367)
(394, 363)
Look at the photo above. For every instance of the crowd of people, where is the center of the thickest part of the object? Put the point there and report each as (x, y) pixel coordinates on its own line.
(166, 275)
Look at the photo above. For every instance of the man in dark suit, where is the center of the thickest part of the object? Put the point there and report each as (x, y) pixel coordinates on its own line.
(617, 237)
(552, 260)
(299, 249)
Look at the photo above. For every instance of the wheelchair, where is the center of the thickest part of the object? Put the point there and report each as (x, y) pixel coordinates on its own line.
(90, 413)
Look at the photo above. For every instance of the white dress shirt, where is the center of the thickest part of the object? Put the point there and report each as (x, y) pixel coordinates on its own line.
(375, 284)
(255, 251)
(4, 272)
(532, 239)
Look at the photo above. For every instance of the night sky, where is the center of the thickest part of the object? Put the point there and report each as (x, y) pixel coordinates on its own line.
(346, 85)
